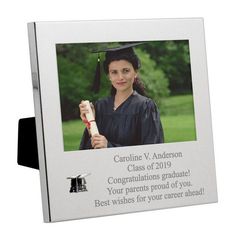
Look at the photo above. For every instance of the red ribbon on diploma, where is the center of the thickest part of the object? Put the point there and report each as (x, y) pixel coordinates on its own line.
(88, 123)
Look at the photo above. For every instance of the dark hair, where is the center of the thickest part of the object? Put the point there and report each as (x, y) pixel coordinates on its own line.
(131, 58)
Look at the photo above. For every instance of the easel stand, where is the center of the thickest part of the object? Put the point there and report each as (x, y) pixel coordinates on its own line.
(27, 143)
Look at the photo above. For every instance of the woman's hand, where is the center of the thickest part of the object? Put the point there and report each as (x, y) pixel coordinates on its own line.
(99, 141)
(83, 110)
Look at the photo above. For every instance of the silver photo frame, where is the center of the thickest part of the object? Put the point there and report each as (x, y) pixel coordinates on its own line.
(88, 183)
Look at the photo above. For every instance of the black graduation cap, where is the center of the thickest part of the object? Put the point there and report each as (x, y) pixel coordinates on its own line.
(124, 51)
(78, 183)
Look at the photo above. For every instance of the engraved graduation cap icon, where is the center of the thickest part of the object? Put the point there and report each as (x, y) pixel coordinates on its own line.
(78, 183)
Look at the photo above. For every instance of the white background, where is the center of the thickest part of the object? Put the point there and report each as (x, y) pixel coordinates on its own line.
(20, 198)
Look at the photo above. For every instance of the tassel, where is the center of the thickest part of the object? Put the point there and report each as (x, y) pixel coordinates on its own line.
(96, 82)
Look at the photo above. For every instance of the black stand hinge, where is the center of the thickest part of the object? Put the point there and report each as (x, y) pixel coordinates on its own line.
(27, 143)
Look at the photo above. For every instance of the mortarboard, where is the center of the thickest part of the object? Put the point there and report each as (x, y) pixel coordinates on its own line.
(78, 183)
(124, 51)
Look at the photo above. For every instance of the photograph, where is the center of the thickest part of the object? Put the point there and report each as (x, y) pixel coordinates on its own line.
(140, 93)
(113, 159)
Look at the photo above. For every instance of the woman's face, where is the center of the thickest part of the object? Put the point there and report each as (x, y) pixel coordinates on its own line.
(122, 75)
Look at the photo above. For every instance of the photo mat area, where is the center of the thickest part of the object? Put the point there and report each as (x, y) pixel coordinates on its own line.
(165, 71)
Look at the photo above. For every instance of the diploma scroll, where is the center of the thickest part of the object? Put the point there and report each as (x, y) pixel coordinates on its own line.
(92, 126)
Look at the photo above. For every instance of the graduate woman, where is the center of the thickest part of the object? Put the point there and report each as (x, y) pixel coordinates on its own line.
(127, 117)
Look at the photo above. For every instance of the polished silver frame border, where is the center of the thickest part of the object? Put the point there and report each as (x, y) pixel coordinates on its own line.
(55, 164)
